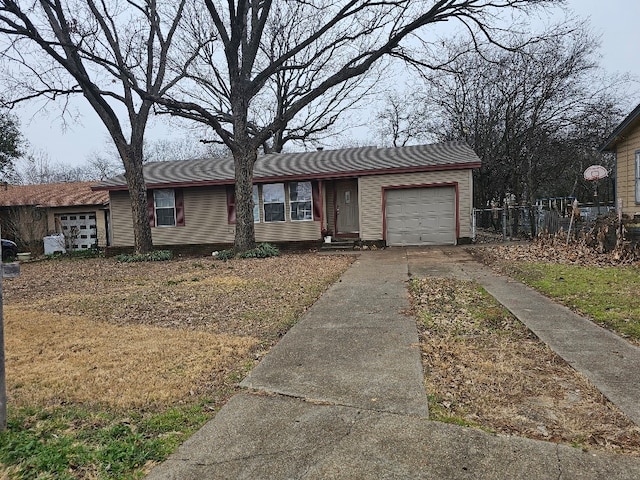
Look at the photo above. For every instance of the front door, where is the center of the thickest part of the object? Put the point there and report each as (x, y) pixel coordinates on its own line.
(347, 207)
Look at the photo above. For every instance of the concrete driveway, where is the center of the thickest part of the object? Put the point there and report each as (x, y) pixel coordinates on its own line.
(341, 396)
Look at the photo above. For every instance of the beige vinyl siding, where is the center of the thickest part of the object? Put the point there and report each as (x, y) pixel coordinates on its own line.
(287, 231)
(205, 216)
(121, 219)
(370, 197)
(625, 171)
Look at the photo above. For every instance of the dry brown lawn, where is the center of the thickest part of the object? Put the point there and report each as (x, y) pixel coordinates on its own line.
(484, 368)
(152, 334)
(149, 335)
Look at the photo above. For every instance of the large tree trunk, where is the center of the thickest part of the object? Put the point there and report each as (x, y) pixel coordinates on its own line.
(245, 154)
(244, 160)
(143, 242)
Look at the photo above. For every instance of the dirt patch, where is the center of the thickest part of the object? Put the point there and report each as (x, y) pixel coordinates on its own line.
(125, 335)
(484, 368)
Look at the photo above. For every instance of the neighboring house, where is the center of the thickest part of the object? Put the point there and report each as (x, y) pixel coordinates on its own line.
(625, 143)
(418, 195)
(31, 212)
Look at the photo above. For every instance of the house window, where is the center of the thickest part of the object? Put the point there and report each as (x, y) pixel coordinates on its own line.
(638, 177)
(300, 200)
(165, 207)
(256, 205)
(273, 202)
(231, 204)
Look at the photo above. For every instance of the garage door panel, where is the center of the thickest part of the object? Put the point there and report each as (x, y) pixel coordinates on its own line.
(421, 216)
(395, 210)
(80, 229)
(412, 210)
(431, 223)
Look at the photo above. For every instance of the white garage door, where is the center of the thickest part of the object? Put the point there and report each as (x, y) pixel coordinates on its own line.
(421, 216)
(79, 230)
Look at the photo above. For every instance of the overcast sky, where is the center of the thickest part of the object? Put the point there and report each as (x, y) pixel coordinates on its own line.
(615, 20)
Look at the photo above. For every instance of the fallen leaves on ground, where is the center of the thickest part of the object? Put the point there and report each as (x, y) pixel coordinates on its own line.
(127, 335)
(605, 241)
(484, 368)
(554, 250)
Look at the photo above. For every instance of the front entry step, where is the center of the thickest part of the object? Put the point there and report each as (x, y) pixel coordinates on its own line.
(338, 245)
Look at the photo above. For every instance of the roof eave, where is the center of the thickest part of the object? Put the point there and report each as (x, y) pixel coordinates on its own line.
(613, 139)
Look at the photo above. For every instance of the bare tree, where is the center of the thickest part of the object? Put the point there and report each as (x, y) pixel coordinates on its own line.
(535, 114)
(402, 121)
(37, 167)
(102, 165)
(105, 163)
(185, 148)
(108, 52)
(336, 43)
(34, 168)
(318, 120)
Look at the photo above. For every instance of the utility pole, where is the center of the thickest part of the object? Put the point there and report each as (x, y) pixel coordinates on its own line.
(3, 383)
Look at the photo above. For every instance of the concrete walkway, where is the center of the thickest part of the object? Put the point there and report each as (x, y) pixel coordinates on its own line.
(342, 396)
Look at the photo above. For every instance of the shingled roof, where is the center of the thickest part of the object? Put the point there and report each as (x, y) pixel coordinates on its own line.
(321, 164)
(52, 195)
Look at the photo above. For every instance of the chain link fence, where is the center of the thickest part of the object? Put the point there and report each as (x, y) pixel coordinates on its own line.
(520, 222)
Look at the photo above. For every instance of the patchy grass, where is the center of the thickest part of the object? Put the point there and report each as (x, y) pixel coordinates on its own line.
(70, 442)
(606, 294)
(111, 365)
(484, 368)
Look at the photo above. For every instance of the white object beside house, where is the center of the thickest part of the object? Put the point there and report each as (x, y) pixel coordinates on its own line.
(54, 244)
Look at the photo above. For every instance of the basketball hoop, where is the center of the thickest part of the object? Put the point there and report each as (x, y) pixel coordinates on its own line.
(595, 172)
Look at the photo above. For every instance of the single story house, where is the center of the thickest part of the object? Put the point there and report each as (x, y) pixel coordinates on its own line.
(417, 195)
(31, 212)
(625, 143)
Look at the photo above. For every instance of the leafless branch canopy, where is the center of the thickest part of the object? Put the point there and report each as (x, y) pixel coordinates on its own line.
(258, 72)
(269, 63)
(535, 114)
(116, 54)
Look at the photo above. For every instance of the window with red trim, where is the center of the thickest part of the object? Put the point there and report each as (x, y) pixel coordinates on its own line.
(269, 199)
(166, 207)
